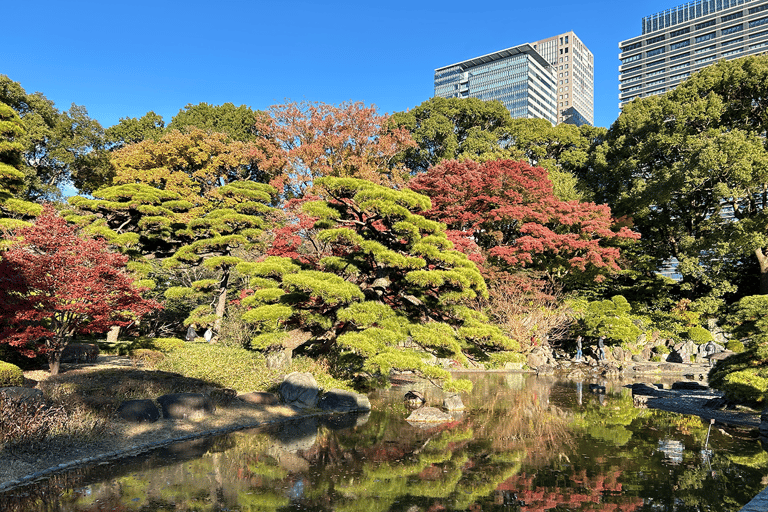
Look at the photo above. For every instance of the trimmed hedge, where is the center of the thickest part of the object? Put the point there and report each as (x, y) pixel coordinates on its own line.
(10, 375)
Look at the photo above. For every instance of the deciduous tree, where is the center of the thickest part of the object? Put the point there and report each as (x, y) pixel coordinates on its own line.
(348, 140)
(57, 283)
(509, 209)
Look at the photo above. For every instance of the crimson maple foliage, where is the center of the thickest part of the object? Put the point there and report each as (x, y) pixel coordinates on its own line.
(55, 283)
(509, 209)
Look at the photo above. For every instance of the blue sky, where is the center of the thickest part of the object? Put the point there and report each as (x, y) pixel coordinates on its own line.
(122, 59)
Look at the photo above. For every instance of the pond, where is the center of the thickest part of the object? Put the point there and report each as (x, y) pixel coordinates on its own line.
(524, 443)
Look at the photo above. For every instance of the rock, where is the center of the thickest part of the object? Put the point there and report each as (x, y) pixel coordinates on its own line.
(611, 371)
(80, 353)
(186, 405)
(618, 353)
(545, 369)
(536, 359)
(414, 399)
(22, 394)
(300, 389)
(453, 403)
(429, 415)
(675, 357)
(644, 389)
(259, 398)
(339, 400)
(689, 385)
(138, 411)
(646, 354)
(637, 358)
(716, 403)
(640, 401)
(294, 436)
(719, 356)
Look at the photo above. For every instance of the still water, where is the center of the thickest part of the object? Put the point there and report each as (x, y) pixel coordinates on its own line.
(524, 444)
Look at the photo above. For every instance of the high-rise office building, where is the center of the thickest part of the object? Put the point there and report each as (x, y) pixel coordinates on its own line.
(574, 68)
(552, 79)
(518, 77)
(679, 41)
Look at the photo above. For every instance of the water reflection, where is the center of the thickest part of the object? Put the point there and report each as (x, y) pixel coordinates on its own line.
(525, 443)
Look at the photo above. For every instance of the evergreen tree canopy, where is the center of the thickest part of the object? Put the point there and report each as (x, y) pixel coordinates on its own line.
(387, 287)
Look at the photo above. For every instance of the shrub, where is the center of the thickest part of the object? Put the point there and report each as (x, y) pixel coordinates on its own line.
(10, 375)
(26, 422)
(147, 356)
(661, 349)
(166, 344)
(735, 346)
(656, 358)
(699, 335)
(611, 318)
(240, 369)
(748, 317)
(497, 360)
(744, 377)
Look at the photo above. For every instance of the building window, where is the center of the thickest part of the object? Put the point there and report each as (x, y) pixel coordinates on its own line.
(655, 39)
(757, 23)
(706, 24)
(753, 10)
(681, 44)
(680, 32)
(706, 37)
(657, 51)
(731, 30)
(631, 47)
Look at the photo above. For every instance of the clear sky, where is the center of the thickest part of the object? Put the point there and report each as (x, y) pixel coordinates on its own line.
(123, 59)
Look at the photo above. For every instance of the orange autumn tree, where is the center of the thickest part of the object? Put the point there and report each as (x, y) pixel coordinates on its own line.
(348, 140)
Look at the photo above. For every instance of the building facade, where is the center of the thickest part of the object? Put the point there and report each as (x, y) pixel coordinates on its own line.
(680, 41)
(518, 77)
(551, 79)
(574, 68)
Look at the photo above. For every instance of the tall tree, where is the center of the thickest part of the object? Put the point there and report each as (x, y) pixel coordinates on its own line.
(454, 129)
(348, 140)
(193, 164)
(58, 147)
(13, 211)
(691, 168)
(509, 209)
(239, 123)
(57, 283)
(131, 130)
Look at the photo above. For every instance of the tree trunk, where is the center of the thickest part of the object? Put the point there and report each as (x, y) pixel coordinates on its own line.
(54, 361)
(762, 260)
(221, 305)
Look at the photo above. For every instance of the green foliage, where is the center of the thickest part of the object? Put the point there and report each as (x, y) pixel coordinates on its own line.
(499, 360)
(748, 317)
(10, 375)
(610, 318)
(661, 349)
(237, 368)
(735, 346)
(744, 377)
(699, 335)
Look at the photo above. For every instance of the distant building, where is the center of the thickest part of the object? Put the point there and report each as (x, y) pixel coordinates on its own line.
(574, 68)
(551, 79)
(680, 41)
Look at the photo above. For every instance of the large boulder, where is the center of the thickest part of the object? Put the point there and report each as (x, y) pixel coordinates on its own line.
(186, 405)
(453, 403)
(138, 411)
(689, 385)
(339, 400)
(429, 415)
(764, 424)
(300, 389)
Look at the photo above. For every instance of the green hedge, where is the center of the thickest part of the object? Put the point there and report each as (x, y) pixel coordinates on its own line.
(10, 375)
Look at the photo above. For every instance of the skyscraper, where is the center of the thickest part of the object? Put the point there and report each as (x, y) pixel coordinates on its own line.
(518, 77)
(551, 79)
(679, 41)
(574, 68)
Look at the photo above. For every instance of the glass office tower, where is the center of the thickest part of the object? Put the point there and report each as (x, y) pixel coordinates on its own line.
(519, 77)
(678, 42)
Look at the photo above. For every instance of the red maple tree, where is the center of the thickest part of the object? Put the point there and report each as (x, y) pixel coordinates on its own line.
(509, 209)
(55, 283)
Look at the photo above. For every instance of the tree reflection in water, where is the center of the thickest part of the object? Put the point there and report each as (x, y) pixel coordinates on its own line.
(525, 444)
